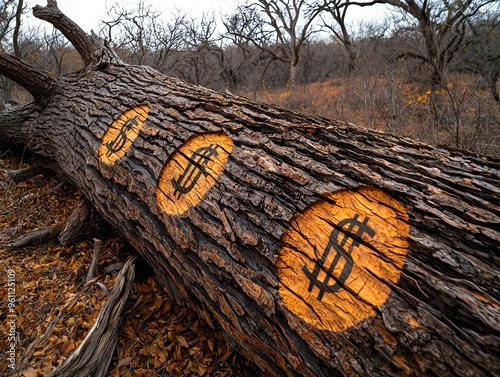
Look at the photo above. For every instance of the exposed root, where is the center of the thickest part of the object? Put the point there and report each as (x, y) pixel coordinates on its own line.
(9, 232)
(37, 237)
(59, 186)
(20, 175)
(39, 166)
(77, 223)
(117, 266)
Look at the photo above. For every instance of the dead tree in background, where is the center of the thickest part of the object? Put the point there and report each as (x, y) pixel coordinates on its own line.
(317, 247)
(278, 27)
(10, 25)
(440, 28)
(340, 28)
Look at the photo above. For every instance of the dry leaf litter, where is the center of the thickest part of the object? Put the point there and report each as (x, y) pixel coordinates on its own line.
(54, 308)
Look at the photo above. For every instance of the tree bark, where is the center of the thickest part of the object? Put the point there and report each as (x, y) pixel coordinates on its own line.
(318, 247)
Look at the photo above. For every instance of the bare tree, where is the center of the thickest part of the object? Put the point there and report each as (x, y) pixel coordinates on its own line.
(10, 27)
(279, 27)
(7, 16)
(131, 29)
(435, 32)
(17, 28)
(440, 27)
(168, 38)
(482, 54)
(58, 53)
(339, 28)
(200, 47)
(141, 35)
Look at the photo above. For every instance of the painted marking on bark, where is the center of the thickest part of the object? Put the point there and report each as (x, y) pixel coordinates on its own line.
(122, 133)
(191, 171)
(342, 256)
(339, 255)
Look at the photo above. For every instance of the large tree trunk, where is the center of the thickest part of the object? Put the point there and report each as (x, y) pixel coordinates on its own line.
(319, 248)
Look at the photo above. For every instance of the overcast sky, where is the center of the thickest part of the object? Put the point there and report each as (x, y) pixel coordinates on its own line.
(87, 13)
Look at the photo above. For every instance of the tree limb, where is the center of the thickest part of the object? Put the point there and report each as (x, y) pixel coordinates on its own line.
(92, 51)
(37, 237)
(36, 81)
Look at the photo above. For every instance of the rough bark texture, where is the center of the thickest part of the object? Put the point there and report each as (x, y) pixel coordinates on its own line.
(39, 83)
(220, 256)
(417, 227)
(80, 224)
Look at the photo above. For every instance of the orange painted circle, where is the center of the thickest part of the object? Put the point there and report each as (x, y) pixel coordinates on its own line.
(340, 255)
(122, 133)
(191, 171)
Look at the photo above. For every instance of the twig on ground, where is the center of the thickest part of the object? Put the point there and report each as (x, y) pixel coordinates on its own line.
(95, 259)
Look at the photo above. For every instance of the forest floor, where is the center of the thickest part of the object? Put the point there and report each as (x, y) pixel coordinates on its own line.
(54, 308)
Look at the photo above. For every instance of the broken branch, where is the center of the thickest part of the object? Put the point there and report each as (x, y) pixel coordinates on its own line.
(36, 81)
(95, 260)
(90, 48)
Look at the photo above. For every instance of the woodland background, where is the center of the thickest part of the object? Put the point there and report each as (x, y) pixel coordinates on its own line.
(429, 70)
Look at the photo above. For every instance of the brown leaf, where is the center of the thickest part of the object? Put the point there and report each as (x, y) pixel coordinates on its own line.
(123, 362)
(182, 340)
(30, 372)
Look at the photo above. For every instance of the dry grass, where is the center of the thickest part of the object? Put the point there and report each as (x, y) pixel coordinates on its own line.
(464, 115)
(52, 303)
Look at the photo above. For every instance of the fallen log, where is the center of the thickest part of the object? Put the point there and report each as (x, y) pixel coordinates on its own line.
(319, 248)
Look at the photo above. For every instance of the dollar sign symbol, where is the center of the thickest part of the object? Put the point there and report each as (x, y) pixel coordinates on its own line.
(339, 248)
(119, 142)
(188, 179)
